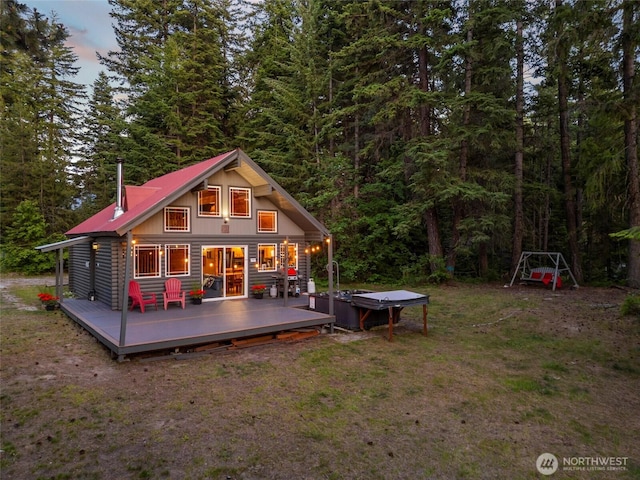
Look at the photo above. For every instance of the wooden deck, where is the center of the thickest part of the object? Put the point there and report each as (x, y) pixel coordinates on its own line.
(210, 322)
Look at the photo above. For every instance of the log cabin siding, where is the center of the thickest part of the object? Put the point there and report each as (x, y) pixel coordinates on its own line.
(79, 269)
(156, 284)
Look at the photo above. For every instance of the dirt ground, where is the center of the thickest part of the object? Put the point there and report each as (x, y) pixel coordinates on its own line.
(504, 376)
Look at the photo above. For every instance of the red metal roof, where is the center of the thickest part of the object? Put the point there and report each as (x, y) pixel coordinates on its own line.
(145, 200)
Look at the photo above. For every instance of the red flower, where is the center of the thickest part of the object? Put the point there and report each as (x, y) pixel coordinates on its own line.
(47, 298)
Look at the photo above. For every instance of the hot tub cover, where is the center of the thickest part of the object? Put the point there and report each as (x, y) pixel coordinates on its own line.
(383, 300)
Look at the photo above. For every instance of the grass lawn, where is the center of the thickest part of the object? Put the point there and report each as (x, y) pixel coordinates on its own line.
(505, 375)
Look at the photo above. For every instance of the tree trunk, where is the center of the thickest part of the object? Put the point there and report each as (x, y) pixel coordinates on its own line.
(565, 154)
(464, 157)
(518, 220)
(431, 215)
(629, 43)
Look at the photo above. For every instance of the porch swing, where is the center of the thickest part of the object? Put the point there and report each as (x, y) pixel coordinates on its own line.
(534, 267)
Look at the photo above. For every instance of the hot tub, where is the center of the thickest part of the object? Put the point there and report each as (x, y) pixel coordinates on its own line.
(347, 315)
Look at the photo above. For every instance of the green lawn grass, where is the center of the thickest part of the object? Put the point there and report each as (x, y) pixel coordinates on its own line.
(503, 376)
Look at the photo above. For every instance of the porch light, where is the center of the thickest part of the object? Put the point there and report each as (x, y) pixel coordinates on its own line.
(226, 219)
(95, 245)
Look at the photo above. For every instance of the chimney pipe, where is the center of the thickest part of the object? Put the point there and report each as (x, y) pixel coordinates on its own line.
(118, 210)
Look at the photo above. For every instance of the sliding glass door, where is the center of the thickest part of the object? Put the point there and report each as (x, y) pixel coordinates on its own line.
(224, 271)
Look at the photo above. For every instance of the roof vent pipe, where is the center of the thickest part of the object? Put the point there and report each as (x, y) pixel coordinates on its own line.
(118, 210)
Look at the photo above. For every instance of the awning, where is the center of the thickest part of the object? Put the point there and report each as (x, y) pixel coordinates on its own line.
(64, 243)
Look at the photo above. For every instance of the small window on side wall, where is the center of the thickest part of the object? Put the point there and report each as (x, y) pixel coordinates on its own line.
(292, 254)
(177, 260)
(267, 221)
(176, 219)
(209, 202)
(146, 261)
(240, 202)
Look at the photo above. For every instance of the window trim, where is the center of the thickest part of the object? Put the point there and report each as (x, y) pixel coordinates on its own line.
(296, 253)
(136, 255)
(167, 263)
(187, 214)
(248, 192)
(218, 213)
(275, 221)
(273, 268)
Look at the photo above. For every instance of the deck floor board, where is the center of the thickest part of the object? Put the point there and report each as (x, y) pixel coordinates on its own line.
(196, 324)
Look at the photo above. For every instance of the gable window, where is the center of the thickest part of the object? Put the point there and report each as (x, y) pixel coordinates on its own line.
(267, 221)
(209, 202)
(146, 261)
(177, 260)
(240, 202)
(176, 219)
(267, 257)
(293, 254)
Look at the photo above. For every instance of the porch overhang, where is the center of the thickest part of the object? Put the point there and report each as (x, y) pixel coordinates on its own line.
(64, 243)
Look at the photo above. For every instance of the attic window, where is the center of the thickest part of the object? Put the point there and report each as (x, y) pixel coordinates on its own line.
(176, 219)
(240, 202)
(267, 221)
(209, 202)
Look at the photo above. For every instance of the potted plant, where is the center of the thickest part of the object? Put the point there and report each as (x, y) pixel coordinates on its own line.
(196, 293)
(258, 290)
(49, 301)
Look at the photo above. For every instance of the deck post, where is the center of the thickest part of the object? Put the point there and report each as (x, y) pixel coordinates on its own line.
(60, 274)
(125, 294)
(330, 268)
(285, 272)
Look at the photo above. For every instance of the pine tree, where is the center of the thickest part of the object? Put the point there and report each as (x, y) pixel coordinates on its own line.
(174, 64)
(103, 143)
(40, 111)
(630, 33)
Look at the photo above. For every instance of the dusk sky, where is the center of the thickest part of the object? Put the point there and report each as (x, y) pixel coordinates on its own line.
(89, 26)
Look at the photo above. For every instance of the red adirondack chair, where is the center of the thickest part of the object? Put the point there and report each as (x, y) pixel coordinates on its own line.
(137, 297)
(173, 292)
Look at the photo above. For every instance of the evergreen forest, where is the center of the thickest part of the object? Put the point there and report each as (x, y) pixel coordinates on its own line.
(434, 138)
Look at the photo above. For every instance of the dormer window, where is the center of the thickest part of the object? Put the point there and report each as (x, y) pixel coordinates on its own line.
(240, 202)
(209, 202)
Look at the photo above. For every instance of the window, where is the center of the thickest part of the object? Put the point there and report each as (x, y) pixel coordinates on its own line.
(209, 202)
(177, 260)
(176, 219)
(267, 257)
(240, 202)
(267, 222)
(293, 254)
(146, 261)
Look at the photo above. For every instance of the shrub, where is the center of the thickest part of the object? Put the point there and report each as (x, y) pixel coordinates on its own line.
(631, 305)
